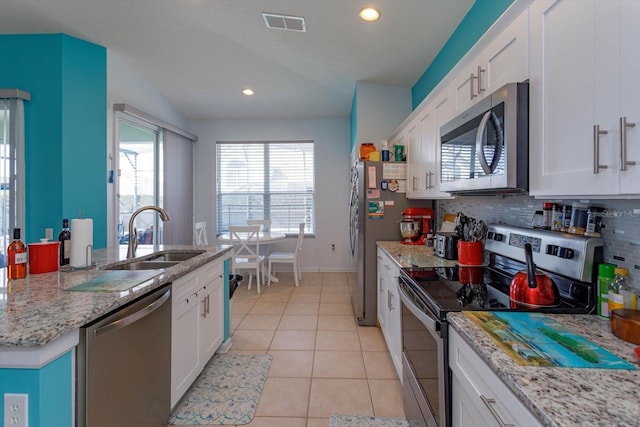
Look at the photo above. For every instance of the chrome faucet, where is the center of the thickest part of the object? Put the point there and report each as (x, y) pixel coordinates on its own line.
(133, 232)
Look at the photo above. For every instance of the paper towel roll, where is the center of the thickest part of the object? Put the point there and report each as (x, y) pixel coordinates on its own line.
(81, 237)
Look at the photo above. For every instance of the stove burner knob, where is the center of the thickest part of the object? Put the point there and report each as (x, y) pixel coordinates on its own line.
(498, 237)
(490, 235)
(565, 253)
(552, 250)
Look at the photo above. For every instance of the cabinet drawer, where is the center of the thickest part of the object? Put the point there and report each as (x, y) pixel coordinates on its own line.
(183, 286)
(482, 384)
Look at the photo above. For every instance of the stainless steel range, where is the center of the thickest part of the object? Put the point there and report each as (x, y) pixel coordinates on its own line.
(428, 294)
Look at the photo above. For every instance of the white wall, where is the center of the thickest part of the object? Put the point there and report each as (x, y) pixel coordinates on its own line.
(331, 138)
(381, 109)
(125, 87)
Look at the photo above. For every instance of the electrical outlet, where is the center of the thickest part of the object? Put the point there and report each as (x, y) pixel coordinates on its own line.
(16, 410)
(333, 247)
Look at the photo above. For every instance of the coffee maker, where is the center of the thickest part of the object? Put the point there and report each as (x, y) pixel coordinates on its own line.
(415, 227)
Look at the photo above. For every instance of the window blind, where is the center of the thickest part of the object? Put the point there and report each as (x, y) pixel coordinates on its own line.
(266, 180)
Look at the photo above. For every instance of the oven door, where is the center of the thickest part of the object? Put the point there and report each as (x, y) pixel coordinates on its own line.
(425, 372)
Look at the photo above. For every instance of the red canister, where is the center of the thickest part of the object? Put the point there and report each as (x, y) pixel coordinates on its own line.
(43, 257)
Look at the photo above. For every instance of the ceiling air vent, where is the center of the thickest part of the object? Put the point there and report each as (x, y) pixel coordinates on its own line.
(284, 22)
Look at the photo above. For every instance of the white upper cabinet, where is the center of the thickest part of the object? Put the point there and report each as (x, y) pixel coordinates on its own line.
(423, 167)
(504, 60)
(584, 87)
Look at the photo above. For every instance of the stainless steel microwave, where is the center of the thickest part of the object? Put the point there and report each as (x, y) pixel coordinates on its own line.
(486, 148)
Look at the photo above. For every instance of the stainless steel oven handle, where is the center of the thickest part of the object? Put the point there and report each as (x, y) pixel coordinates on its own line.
(428, 321)
(489, 402)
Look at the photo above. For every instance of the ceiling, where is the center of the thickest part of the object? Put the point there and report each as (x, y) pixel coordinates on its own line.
(199, 54)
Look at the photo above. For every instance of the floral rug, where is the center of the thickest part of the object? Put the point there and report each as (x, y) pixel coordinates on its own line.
(365, 421)
(226, 392)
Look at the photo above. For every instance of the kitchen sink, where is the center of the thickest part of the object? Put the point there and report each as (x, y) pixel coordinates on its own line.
(175, 256)
(143, 265)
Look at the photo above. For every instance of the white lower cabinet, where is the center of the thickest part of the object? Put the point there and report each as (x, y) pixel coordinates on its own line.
(389, 307)
(196, 324)
(479, 397)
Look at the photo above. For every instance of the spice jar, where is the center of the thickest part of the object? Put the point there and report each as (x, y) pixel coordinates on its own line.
(566, 218)
(537, 220)
(594, 221)
(578, 218)
(546, 213)
(556, 217)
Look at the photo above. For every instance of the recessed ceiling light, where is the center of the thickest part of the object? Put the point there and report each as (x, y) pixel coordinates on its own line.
(247, 91)
(369, 14)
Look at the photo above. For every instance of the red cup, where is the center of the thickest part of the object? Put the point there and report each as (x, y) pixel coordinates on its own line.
(43, 257)
(470, 253)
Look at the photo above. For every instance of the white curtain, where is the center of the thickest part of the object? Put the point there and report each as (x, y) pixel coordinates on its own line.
(177, 188)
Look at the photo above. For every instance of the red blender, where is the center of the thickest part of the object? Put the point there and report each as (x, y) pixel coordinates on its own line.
(416, 225)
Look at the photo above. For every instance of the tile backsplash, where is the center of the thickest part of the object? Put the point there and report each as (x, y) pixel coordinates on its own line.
(620, 225)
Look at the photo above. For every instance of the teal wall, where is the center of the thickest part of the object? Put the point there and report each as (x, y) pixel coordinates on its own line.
(50, 391)
(65, 129)
(227, 307)
(354, 118)
(476, 22)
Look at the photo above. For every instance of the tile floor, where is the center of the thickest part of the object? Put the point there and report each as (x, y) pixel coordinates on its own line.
(323, 363)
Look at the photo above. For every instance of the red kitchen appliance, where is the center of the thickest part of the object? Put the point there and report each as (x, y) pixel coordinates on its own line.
(416, 225)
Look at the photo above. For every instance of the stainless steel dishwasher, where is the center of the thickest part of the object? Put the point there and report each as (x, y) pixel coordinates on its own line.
(124, 365)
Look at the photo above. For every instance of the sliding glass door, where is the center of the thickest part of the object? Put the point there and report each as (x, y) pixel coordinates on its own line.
(140, 179)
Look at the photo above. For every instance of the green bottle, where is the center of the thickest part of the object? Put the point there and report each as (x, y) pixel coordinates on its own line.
(606, 276)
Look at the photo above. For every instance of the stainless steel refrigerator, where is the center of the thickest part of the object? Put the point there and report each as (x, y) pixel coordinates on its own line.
(378, 197)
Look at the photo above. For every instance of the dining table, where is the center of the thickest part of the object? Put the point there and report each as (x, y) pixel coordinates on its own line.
(265, 238)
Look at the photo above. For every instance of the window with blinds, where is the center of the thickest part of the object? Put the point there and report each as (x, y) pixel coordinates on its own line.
(266, 180)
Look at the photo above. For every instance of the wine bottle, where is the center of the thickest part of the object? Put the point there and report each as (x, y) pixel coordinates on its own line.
(65, 243)
(17, 253)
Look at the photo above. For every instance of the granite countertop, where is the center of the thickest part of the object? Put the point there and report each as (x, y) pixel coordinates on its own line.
(566, 396)
(37, 310)
(413, 255)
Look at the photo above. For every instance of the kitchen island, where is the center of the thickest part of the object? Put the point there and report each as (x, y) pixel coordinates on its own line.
(566, 396)
(40, 321)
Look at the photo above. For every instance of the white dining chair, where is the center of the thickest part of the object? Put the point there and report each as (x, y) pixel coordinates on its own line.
(200, 233)
(265, 223)
(246, 251)
(288, 258)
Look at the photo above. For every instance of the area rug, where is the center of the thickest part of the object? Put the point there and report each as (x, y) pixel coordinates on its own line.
(226, 392)
(337, 420)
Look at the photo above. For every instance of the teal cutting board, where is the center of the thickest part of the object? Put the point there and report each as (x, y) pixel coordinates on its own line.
(533, 339)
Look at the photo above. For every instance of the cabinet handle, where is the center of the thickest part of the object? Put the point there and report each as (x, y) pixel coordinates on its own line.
(204, 308)
(480, 88)
(389, 300)
(428, 175)
(473, 94)
(208, 304)
(489, 404)
(596, 149)
(414, 183)
(623, 144)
